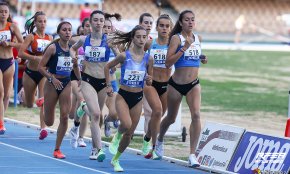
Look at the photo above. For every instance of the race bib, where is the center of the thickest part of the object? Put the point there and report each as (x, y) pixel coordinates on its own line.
(5, 36)
(64, 64)
(42, 44)
(192, 53)
(133, 77)
(159, 57)
(95, 54)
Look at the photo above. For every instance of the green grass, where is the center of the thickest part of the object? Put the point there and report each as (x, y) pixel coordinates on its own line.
(242, 92)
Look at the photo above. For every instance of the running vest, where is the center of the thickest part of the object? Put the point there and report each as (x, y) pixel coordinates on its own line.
(38, 44)
(81, 57)
(97, 53)
(190, 58)
(158, 52)
(61, 62)
(132, 73)
(6, 33)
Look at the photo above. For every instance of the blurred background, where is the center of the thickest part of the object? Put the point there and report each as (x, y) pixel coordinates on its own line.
(246, 21)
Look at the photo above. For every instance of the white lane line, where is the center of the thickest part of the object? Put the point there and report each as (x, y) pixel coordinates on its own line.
(19, 167)
(66, 162)
(27, 138)
(46, 172)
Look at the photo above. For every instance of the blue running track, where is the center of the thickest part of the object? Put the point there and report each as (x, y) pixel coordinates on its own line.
(22, 153)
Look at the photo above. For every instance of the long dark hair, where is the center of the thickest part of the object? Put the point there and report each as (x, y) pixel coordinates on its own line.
(9, 19)
(108, 17)
(125, 38)
(117, 16)
(177, 27)
(57, 31)
(30, 23)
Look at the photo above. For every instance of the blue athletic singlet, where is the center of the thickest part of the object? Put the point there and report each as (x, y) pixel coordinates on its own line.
(132, 73)
(158, 52)
(61, 62)
(190, 57)
(97, 53)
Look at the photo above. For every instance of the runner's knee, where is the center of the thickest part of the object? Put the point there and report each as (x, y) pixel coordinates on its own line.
(195, 116)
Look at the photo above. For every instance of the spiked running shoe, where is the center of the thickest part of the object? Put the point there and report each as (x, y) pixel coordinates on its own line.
(146, 147)
(43, 134)
(155, 156)
(116, 123)
(57, 154)
(39, 102)
(81, 142)
(97, 155)
(2, 129)
(80, 110)
(107, 128)
(193, 161)
(117, 166)
(74, 134)
(159, 149)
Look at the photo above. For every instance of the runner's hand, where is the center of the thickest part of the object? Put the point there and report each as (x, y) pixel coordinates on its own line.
(148, 79)
(56, 83)
(109, 91)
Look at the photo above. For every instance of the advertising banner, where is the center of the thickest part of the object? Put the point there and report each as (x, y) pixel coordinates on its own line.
(261, 154)
(217, 144)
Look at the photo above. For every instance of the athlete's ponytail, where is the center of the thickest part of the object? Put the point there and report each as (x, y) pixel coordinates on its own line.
(30, 23)
(117, 16)
(125, 38)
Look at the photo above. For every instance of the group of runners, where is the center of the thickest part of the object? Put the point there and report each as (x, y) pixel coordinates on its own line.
(78, 72)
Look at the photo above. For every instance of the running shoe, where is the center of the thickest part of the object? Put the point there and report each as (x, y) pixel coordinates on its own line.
(117, 166)
(193, 161)
(113, 147)
(74, 134)
(146, 147)
(80, 110)
(97, 155)
(43, 134)
(149, 155)
(2, 129)
(116, 123)
(155, 156)
(107, 128)
(39, 102)
(58, 154)
(159, 149)
(81, 142)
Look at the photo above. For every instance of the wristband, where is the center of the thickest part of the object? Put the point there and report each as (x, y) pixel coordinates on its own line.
(49, 79)
(182, 50)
